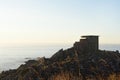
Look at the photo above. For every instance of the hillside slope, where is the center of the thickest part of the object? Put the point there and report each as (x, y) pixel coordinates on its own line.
(69, 64)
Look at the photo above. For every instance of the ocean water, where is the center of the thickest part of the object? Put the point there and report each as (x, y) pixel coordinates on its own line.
(13, 57)
(110, 47)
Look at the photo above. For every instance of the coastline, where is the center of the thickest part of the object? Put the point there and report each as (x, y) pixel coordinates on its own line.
(16, 63)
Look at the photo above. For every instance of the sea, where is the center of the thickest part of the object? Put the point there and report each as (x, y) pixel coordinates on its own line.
(11, 57)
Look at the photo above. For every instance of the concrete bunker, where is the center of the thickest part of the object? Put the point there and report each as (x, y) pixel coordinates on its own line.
(88, 43)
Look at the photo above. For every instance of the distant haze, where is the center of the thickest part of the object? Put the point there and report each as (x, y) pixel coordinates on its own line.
(28, 22)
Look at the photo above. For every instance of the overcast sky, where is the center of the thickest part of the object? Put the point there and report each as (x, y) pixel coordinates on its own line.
(58, 21)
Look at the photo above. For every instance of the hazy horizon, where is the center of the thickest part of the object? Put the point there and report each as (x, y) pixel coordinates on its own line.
(39, 22)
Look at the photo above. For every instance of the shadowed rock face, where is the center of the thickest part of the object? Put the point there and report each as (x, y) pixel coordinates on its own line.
(70, 64)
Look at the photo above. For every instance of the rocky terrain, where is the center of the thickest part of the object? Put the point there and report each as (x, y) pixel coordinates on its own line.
(70, 64)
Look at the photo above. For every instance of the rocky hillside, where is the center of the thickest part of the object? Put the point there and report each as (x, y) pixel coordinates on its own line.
(70, 64)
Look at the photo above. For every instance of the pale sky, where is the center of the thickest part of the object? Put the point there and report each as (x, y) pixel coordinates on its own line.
(58, 21)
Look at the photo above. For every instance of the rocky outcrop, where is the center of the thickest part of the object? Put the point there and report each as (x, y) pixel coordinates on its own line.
(70, 64)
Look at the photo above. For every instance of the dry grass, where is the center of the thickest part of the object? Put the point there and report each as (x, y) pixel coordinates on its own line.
(70, 76)
(65, 76)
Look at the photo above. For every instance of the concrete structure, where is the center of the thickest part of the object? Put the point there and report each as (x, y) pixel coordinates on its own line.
(88, 43)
